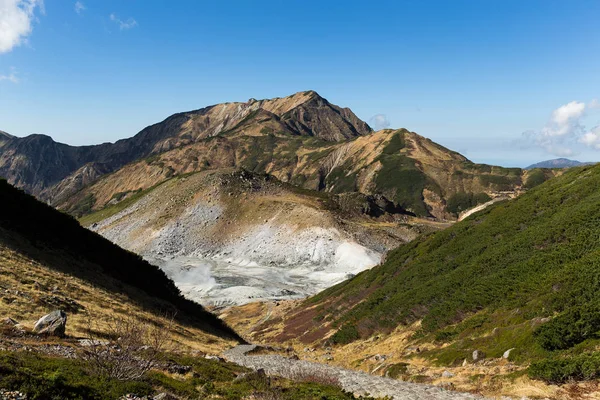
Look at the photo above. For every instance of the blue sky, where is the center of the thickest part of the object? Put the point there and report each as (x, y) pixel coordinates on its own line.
(503, 82)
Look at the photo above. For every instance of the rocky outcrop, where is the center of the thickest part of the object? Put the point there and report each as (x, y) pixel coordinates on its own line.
(53, 324)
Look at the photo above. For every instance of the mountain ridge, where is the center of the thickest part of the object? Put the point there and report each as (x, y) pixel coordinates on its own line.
(412, 171)
(558, 163)
(25, 161)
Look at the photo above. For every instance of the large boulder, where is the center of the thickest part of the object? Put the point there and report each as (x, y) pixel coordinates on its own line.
(53, 324)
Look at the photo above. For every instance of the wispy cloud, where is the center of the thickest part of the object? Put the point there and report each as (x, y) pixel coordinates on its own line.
(379, 121)
(123, 25)
(79, 7)
(565, 129)
(11, 77)
(16, 21)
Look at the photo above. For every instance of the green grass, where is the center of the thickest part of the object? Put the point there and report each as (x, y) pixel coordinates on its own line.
(341, 181)
(403, 182)
(45, 378)
(109, 211)
(84, 206)
(395, 144)
(536, 256)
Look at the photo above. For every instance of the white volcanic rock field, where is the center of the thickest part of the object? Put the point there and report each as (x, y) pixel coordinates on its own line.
(225, 241)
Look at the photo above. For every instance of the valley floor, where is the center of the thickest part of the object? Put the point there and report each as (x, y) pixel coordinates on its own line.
(359, 383)
(384, 356)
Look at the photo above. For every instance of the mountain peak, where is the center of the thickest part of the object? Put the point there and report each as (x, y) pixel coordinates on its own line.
(558, 163)
(4, 135)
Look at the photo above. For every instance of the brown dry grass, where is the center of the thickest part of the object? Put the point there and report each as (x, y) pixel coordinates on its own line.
(267, 323)
(29, 290)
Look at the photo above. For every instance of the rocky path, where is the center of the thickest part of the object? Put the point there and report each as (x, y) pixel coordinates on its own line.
(359, 383)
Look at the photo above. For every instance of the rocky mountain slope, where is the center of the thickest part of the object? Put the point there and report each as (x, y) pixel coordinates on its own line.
(517, 282)
(48, 261)
(229, 237)
(301, 139)
(37, 163)
(415, 173)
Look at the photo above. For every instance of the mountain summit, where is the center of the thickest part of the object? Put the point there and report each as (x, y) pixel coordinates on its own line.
(558, 163)
(36, 162)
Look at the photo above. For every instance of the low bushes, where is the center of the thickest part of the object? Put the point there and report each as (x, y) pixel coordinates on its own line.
(561, 370)
(346, 334)
(568, 329)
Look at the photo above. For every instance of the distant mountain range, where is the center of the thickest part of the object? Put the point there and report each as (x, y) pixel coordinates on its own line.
(301, 139)
(559, 163)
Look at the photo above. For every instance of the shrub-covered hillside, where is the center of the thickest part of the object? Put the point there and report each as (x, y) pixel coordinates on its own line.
(528, 267)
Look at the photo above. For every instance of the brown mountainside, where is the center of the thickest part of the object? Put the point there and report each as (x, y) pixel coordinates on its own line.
(415, 173)
(36, 163)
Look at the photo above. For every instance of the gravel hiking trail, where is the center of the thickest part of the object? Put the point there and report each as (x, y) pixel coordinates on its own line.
(358, 383)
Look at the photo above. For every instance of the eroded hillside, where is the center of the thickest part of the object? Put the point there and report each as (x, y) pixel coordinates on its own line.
(232, 236)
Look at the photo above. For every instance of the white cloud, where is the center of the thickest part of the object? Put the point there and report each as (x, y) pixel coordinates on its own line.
(565, 130)
(379, 121)
(130, 23)
(592, 138)
(79, 7)
(11, 77)
(16, 21)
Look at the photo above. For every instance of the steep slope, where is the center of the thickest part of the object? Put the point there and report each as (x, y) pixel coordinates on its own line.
(229, 237)
(35, 163)
(521, 274)
(415, 173)
(42, 249)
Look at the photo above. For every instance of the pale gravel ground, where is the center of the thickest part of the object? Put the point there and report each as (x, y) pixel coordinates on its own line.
(359, 383)
(267, 261)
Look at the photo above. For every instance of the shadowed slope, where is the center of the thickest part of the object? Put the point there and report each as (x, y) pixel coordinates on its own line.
(56, 240)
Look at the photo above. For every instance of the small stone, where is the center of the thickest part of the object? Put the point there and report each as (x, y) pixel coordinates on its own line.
(447, 374)
(478, 355)
(9, 321)
(507, 353)
(164, 396)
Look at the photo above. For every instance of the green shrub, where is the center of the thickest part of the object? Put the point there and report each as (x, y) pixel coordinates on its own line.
(397, 370)
(534, 178)
(462, 201)
(537, 254)
(84, 206)
(561, 370)
(395, 144)
(570, 328)
(346, 334)
(445, 335)
(403, 182)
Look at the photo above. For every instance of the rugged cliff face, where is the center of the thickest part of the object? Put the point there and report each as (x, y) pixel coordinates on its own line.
(36, 163)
